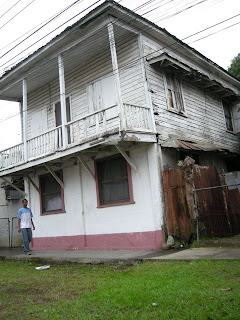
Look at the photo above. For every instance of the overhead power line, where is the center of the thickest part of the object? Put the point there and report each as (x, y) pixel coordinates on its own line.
(52, 31)
(10, 9)
(129, 65)
(215, 32)
(200, 31)
(46, 23)
(132, 62)
(17, 14)
(20, 53)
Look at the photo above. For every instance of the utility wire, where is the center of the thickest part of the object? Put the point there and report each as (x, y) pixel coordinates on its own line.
(215, 32)
(83, 85)
(162, 49)
(205, 29)
(51, 31)
(48, 34)
(16, 14)
(15, 56)
(47, 22)
(10, 8)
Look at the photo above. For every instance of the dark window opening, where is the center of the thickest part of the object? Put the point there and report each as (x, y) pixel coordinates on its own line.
(175, 97)
(228, 116)
(114, 185)
(58, 116)
(233, 164)
(51, 194)
(183, 154)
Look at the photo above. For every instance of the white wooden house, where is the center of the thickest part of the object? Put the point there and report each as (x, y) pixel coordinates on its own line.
(106, 106)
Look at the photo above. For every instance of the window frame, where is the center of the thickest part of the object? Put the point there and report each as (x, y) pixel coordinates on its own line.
(174, 89)
(43, 213)
(129, 180)
(69, 133)
(70, 108)
(229, 106)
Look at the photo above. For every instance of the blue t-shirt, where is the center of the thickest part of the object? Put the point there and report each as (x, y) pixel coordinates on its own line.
(25, 214)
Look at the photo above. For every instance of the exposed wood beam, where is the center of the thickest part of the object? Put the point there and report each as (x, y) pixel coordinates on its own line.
(33, 183)
(55, 176)
(86, 166)
(126, 157)
(12, 185)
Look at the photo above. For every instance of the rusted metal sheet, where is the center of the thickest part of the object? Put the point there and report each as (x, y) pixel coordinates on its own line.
(218, 207)
(190, 145)
(177, 215)
(232, 199)
(217, 201)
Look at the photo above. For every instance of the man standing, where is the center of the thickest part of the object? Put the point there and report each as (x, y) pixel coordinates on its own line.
(25, 225)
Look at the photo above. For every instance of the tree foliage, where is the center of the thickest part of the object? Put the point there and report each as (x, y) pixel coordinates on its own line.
(234, 68)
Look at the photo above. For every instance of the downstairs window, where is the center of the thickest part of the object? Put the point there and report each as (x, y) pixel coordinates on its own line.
(113, 181)
(51, 194)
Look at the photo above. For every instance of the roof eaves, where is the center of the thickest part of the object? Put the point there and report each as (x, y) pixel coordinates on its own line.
(100, 10)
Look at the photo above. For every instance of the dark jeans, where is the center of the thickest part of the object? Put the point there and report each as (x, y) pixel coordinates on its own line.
(27, 238)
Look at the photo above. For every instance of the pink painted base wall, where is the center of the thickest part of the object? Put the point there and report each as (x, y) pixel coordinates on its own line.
(118, 241)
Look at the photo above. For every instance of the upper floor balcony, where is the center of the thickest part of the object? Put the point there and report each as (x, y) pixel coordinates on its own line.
(109, 100)
(101, 127)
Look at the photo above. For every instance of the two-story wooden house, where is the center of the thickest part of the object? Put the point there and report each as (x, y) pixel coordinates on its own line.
(106, 106)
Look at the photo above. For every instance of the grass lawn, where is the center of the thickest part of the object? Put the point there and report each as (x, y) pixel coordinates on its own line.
(202, 290)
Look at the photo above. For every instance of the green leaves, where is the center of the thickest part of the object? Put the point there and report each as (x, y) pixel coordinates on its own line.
(234, 68)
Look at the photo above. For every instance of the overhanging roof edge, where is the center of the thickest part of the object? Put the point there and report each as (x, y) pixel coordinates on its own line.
(100, 10)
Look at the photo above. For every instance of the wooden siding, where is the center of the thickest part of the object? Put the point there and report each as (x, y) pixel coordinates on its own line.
(205, 119)
(77, 80)
(131, 78)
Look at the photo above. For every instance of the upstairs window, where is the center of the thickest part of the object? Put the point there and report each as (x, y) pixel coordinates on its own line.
(58, 116)
(101, 94)
(51, 194)
(228, 116)
(174, 93)
(114, 183)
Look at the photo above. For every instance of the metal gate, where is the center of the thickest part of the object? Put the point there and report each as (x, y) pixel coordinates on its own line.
(217, 203)
(4, 232)
(203, 202)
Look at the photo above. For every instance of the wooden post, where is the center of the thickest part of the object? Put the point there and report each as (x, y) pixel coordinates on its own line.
(146, 86)
(62, 100)
(116, 76)
(24, 118)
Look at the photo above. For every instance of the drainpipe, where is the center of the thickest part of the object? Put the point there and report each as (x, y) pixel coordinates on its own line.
(24, 117)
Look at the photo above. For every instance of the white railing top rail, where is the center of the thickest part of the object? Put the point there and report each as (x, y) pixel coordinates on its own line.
(16, 145)
(90, 114)
(133, 105)
(45, 132)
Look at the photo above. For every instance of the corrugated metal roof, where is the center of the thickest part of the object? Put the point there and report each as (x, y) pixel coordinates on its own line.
(191, 145)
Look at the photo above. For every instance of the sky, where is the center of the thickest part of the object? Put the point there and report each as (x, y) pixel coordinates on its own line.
(182, 18)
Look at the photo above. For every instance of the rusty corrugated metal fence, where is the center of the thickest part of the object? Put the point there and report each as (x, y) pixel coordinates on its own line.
(210, 209)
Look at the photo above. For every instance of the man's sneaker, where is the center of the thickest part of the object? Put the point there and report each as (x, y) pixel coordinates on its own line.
(29, 253)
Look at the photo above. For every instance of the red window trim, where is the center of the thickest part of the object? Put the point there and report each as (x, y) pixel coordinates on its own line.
(117, 203)
(40, 198)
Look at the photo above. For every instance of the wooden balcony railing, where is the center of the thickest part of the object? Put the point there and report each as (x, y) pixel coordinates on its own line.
(12, 156)
(84, 129)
